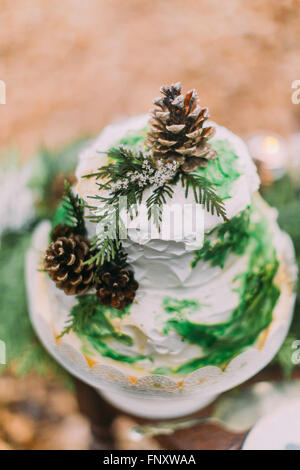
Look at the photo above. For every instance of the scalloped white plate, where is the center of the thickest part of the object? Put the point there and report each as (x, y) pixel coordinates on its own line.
(279, 430)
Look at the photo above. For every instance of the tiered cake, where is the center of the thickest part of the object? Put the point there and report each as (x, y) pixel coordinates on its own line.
(190, 309)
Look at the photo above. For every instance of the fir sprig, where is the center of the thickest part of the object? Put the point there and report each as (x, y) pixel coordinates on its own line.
(124, 162)
(203, 193)
(73, 207)
(128, 174)
(106, 243)
(105, 250)
(80, 315)
(88, 317)
(156, 201)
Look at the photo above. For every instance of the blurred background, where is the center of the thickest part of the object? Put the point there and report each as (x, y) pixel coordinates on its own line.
(70, 67)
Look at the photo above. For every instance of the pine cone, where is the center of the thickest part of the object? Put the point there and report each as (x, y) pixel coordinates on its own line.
(115, 285)
(177, 132)
(61, 231)
(64, 263)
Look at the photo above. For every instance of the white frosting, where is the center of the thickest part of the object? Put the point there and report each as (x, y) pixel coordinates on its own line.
(163, 266)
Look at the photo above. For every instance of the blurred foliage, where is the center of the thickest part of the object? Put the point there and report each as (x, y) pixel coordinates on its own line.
(24, 351)
(46, 167)
(284, 194)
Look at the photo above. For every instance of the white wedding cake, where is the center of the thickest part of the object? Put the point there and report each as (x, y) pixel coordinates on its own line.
(172, 285)
(198, 303)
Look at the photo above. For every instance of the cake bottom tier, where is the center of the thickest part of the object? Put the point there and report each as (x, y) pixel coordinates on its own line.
(244, 345)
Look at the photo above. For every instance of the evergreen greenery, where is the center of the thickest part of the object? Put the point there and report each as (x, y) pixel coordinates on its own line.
(123, 163)
(231, 237)
(92, 322)
(46, 166)
(88, 313)
(71, 212)
(285, 195)
(156, 201)
(203, 193)
(24, 351)
(25, 354)
(128, 174)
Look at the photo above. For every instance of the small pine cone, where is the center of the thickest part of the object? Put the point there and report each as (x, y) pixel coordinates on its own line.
(61, 231)
(177, 132)
(115, 285)
(64, 262)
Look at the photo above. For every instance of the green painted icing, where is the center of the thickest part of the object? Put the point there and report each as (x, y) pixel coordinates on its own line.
(132, 139)
(180, 307)
(222, 171)
(92, 323)
(258, 296)
(108, 351)
(230, 237)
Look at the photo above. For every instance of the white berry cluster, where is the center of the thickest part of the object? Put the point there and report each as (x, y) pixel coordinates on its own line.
(156, 177)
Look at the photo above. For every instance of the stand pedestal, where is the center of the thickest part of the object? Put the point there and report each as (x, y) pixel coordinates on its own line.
(102, 414)
(157, 408)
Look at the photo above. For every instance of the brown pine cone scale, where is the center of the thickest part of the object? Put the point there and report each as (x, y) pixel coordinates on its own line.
(177, 132)
(115, 285)
(64, 263)
(61, 231)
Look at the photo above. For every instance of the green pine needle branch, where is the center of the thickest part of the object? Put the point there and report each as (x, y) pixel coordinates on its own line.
(156, 201)
(203, 193)
(74, 210)
(80, 314)
(128, 174)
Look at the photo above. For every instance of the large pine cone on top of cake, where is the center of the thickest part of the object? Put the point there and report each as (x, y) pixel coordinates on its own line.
(177, 132)
(64, 263)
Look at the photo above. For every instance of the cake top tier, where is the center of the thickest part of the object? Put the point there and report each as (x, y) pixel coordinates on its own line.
(232, 174)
